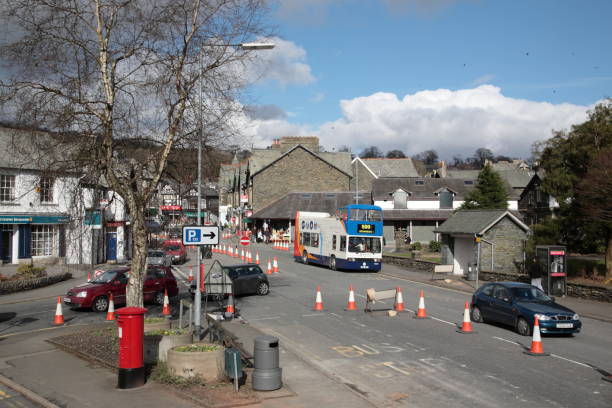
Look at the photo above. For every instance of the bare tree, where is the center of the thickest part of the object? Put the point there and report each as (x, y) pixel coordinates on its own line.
(395, 154)
(427, 156)
(371, 152)
(118, 82)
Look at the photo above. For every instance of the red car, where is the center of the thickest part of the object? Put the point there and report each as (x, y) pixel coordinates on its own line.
(95, 294)
(175, 250)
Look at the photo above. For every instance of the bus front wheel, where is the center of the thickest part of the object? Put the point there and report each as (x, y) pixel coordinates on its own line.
(305, 258)
(332, 263)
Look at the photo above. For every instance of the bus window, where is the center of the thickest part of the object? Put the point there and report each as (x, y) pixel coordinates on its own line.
(359, 214)
(306, 238)
(374, 215)
(364, 244)
(334, 242)
(314, 240)
(343, 243)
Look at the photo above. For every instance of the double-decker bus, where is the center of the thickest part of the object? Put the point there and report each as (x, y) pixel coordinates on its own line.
(351, 239)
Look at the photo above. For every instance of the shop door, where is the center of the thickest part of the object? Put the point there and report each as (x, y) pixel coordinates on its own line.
(6, 243)
(111, 246)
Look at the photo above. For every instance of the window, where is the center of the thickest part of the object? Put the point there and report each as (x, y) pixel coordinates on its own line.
(343, 243)
(306, 238)
(7, 187)
(500, 293)
(488, 290)
(334, 242)
(446, 199)
(43, 240)
(364, 244)
(46, 189)
(419, 182)
(314, 240)
(468, 182)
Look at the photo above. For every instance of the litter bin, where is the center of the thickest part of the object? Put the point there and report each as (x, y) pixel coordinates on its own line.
(267, 375)
(472, 272)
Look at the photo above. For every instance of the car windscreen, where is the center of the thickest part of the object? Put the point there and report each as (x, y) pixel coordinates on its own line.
(155, 254)
(172, 248)
(531, 294)
(106, 277)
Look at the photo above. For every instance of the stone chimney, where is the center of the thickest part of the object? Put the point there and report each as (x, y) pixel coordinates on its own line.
(309, 142)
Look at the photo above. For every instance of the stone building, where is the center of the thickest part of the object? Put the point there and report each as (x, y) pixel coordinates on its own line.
(491, 240)
(534, 203)
(365, 171)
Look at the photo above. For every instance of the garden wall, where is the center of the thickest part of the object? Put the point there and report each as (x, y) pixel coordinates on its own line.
(12, 286)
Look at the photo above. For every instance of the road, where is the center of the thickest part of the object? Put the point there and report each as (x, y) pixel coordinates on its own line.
(393, 361)
(402, 361)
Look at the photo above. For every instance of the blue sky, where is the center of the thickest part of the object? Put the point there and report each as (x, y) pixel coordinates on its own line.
(446, 74)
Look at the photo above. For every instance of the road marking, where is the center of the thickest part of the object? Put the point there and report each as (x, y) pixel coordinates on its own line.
(313, 315)
(443, 321)
(336, 315)
(265, 318)
(47, 328)
(571, 361)
(507, 341)
(391, 366)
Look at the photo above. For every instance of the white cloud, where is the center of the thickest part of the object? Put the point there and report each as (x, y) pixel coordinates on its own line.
(284, 64)
(452, 122)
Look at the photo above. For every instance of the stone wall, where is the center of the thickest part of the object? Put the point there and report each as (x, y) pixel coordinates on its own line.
(589, 292)
(508, 249)
(298, 171)
(364, 176)
(410, 263)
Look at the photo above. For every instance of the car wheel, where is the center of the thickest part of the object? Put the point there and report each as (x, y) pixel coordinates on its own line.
(476, 315)
(100, 304)
(305, 258)
(522, 327)
(332, 263)
(159, 298)
(262, 288)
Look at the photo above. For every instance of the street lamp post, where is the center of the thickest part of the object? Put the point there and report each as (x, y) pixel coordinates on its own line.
(197, 321)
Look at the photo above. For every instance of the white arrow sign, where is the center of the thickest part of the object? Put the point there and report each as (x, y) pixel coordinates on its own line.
(197, 235)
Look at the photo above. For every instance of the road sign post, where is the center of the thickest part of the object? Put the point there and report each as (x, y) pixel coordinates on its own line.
(199, 235)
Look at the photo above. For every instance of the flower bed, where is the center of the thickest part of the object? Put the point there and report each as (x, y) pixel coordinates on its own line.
(203, 360)
(19, 285)
(158, 342)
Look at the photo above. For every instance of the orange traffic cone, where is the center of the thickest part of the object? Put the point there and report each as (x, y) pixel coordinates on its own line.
(351, 302)
(536, 344)
(318, 306)
(88, 276)
(257, 257)
(249, 257)
(230, 305)
(110, 314)
(59, 316)
(275, 265)
(399, 300)
(242, 255)
(466, 327)
(421, 312)
(236, 253)
(269, 270)
(190, 277)
(166, 309)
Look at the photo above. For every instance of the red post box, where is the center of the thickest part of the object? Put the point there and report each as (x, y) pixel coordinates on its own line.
(131, 347)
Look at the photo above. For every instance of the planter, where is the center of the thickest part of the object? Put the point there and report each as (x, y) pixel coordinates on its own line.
(156, 323)
(208, 365)
(156, 346)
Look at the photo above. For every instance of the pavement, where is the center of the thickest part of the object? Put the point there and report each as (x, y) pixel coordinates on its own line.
(49, 377)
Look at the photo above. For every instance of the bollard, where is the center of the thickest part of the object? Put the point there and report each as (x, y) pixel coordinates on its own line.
(267, 375)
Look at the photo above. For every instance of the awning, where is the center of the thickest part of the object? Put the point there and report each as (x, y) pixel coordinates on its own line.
(34, 219)
(247, 220)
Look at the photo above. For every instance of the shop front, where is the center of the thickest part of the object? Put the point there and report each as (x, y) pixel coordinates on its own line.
(25, 237)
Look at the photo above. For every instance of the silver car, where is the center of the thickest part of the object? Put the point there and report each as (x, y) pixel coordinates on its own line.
(158, 258)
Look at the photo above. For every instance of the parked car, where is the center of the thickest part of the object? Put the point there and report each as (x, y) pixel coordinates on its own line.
(158, 258)
(516, 304)
(95, 294)
(175, 250)
(247, 279)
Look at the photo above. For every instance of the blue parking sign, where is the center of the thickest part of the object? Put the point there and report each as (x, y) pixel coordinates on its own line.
(200, 235)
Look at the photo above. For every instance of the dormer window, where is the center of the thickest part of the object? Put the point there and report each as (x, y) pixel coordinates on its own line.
(400, 199)
(446, 199)
(419, 182)
(468, 182)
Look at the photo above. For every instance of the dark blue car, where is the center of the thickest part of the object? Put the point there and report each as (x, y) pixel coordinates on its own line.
(517, 304)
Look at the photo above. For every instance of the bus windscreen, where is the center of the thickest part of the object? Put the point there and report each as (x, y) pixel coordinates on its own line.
(364, 244)
(360, 214)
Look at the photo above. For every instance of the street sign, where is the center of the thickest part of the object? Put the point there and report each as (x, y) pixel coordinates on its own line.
(198, 235)
(244, 240)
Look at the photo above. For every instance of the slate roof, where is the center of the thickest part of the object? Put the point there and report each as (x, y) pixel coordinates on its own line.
(383, 187)
(518, 179)
(253, 173)
(476, 221)
(288, 205)
(406, 214)
(463, 174)
(383, 167)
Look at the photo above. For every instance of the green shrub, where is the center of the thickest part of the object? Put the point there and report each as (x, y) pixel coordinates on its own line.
(190, 348)
(416, 246)
(29, 271)
(166, 332)
(435, 246)
(154, 319)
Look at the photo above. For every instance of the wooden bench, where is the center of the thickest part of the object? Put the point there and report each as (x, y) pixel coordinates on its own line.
(443, 270)
(372, 295)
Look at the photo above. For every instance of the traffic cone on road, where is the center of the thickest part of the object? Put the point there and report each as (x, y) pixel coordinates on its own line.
(269, 270)
(536, 343)
(249, 257)
(110, 314)
(230, 305)
(351, 301)
(421, 312)
(466, 327)
(257, 257)
(166, 309)
(242, 255)
(59, 316)
(236, 253)
(318, 306)
(275, 265)
(190, 277)
(88, 276)
(399, 300)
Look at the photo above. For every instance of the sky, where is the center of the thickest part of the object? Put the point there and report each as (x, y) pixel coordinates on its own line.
(449, 75)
